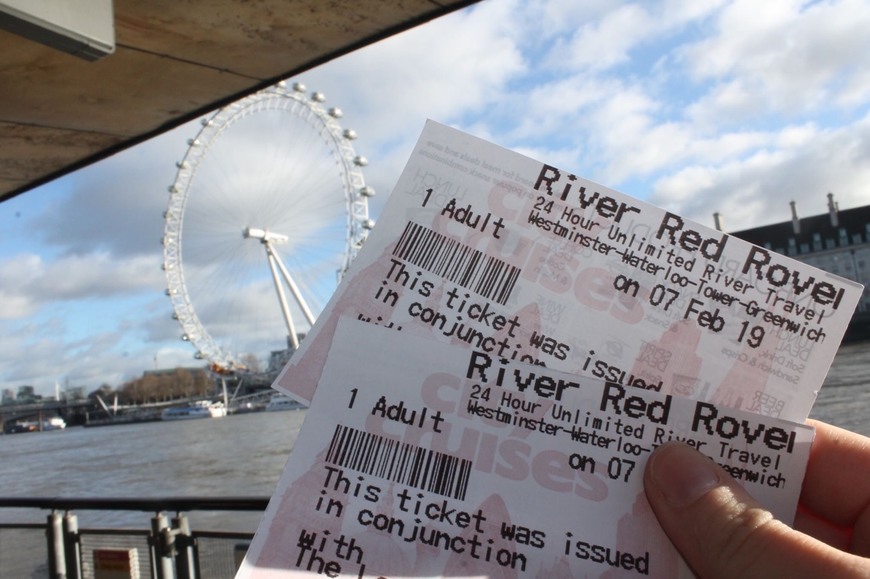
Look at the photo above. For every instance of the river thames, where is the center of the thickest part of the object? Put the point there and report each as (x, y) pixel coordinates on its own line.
(244, 455)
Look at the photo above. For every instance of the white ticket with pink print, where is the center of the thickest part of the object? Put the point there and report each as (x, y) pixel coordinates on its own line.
(487, 248)
(420, 458)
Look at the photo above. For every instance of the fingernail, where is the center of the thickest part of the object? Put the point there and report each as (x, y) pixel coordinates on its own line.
(682, 474)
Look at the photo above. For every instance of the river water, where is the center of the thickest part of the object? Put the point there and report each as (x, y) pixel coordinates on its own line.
(244, 455)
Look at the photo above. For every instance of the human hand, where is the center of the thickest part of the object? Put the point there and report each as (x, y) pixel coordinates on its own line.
(721, 531)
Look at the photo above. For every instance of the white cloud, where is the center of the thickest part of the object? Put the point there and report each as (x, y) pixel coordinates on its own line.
(604, 43)
(32, 280)
(14, 305)
(800, 163)
(788, 57)
(439, 71)
(730, 100)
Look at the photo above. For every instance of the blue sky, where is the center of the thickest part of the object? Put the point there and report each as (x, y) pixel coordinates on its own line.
(696, 106)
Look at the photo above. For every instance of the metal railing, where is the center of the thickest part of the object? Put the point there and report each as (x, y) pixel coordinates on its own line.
(168, 550)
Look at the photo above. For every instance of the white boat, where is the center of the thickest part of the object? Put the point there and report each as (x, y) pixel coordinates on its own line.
(54, 423)
(282, 402)
(200, 409)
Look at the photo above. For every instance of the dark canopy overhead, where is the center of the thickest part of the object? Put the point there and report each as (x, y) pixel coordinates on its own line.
(173, 61)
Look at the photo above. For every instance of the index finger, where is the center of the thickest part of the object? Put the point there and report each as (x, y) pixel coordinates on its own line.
(837, 481)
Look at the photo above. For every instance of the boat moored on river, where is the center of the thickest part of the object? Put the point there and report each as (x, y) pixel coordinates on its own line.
(54, 423)
(283, 402)
(200, 409)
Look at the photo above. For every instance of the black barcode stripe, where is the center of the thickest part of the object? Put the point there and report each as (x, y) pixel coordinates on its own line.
(505, 293)
(450, 470)
(485, 275)
(347, 449)
(427, 243)
(456, 262)
(359, 454)
(402, 463)
(400, 466)
(423, 473)
(444, 472)
(447, 485)
(411, 474)
(447, 257)
(374, 450)
(338, 444)
(432, 250)
(454, 265)
(389, 459)
(470, 268)
(413, 238)
(436, 481)
(449, 478)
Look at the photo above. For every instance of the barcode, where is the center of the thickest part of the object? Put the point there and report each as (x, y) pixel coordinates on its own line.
(458, 263)
(399, 462)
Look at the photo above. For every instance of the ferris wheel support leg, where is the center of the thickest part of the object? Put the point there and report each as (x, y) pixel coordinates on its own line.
(282, 299)
(294, 289)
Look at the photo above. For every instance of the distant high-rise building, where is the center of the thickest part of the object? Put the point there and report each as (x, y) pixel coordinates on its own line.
(26, 394)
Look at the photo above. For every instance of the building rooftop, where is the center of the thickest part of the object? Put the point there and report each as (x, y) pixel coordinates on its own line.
(827, 231)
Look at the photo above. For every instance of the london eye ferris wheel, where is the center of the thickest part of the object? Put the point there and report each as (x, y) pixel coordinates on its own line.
(268, 209)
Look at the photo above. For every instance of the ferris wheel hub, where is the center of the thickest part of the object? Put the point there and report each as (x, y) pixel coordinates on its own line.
(264, 235)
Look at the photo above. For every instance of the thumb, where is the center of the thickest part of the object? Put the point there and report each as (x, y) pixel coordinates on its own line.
(721, 531)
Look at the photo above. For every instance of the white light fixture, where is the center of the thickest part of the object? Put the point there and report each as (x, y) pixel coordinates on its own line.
(83, 29)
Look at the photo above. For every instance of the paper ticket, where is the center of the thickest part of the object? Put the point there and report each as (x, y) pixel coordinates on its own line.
(484, 247)
(422, 459)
